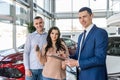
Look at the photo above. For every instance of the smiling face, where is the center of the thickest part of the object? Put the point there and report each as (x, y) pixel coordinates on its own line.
(54, 35)
(39, 25)
(85, 18)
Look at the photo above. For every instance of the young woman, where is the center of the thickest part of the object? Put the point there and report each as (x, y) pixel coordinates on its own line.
(53, 55)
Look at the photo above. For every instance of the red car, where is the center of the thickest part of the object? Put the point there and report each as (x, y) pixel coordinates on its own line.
(12, 68)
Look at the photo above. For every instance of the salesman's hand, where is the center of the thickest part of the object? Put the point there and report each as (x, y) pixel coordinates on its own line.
(71, 62)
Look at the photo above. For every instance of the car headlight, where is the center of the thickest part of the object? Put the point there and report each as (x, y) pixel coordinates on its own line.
(11, 72)
(18, 62)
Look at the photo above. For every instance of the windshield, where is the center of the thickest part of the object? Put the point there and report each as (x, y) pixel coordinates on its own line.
(7, 52)
(114, 46)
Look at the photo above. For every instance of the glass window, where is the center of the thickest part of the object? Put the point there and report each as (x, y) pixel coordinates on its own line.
(100, 22)
(76, 25)
(64, 25)
(6, 27)
(26, 0)
(21, 26)
(68, 42)
(63, 6)
(77, 4)
(39, 3)
(47, 23)
(5, 7)
(21, 14)
(94, 4)
(115, 6)
(21, 33)
(6, 39)
(68, 25)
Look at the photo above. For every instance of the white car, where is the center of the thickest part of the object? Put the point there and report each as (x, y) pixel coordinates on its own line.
(113, 58)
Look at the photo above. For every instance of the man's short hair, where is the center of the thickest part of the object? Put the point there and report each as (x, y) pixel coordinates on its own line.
(37, 17)
(86, 9)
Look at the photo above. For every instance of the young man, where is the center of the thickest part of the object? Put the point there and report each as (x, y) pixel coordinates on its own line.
(92, 49)
(33, 68)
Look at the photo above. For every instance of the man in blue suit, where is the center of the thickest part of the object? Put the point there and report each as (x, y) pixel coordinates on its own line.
(90, 56)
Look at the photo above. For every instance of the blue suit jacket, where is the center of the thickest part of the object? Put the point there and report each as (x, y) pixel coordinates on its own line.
(93, 55)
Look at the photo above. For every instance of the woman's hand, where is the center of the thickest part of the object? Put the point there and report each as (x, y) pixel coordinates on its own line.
(62, 54)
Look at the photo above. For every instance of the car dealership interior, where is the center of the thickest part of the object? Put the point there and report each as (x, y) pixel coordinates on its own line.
(16, 18)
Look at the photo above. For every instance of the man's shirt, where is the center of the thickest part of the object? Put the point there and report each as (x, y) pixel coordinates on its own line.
(30, 58)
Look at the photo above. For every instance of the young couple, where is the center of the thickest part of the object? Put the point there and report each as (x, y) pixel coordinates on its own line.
(44, 54)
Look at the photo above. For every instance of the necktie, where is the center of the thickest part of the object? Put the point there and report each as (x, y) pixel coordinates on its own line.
(83, 40)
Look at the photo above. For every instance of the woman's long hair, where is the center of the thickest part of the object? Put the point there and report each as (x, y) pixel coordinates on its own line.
(58, 44)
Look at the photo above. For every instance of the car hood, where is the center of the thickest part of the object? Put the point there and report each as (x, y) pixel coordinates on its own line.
(13, 57)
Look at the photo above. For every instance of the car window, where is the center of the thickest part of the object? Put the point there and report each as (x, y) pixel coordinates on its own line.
(114, 46)
(68, 42)
(21, 47)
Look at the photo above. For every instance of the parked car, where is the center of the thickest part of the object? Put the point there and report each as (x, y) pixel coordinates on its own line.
(72, 45)
(11, 65)
(113, 57)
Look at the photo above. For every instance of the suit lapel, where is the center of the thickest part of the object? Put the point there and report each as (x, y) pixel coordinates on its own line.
(88, 36)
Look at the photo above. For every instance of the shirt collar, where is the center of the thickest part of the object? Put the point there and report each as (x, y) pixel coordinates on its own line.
(38, 33)
(88, 29)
